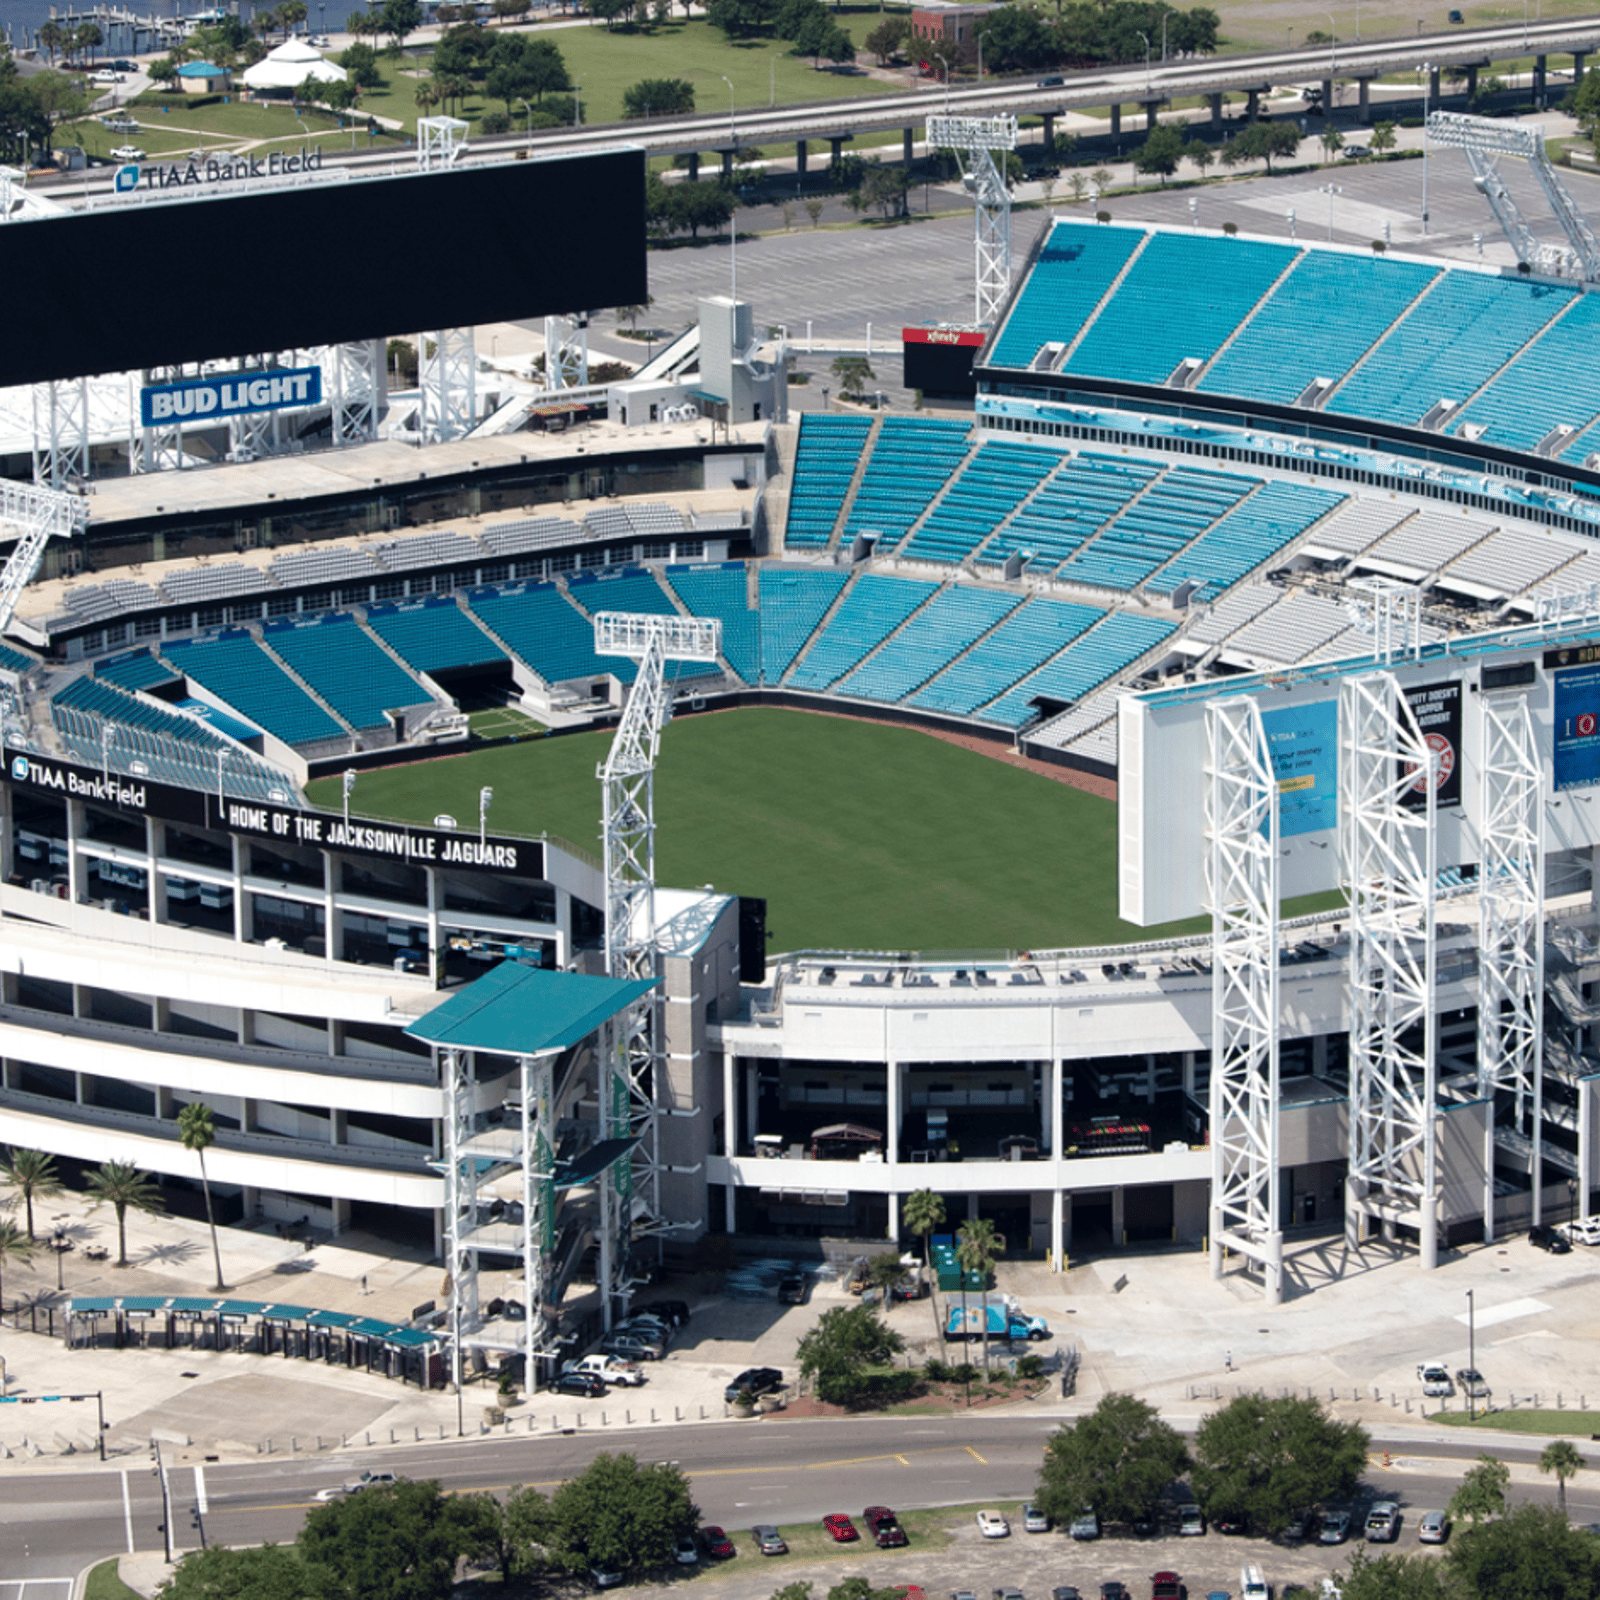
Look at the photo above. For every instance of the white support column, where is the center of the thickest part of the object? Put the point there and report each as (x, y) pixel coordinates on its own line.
(356, 390)
(449, 386)
(891, 1152)
(566, 351)
(1242, 881)
(459, 1205)
(61, 432)
(1388, 833)
(1511, 934)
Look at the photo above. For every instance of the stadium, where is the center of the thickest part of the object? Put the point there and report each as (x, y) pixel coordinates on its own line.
(1291, 545)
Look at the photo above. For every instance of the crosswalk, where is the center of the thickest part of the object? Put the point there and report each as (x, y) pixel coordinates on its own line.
(36, 1588)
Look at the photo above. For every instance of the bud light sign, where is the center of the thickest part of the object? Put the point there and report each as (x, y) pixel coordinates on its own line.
(229, 396)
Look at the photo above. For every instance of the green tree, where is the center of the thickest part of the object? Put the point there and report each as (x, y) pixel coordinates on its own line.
(923, 1213)
(840, 1351)
(1531, 1551)
(123, 1187)
(197, 1131)
(398, 18)
(1383, 137)
(57, 97)
(1332, 141)
(51, 37)
(1161, 152)
(884, 1270)
(164, 70)
(1016, 39)
(511, 1537)
(15, 1245)
(1116, 1461)
(398, 1541)
(853, 372)
(1394, 1577)
(31, 1174)
(1561, 1457)
(658, 97)
(1267, 1459)
(267, 1572)
(885, 40)
(1483, 1491)
(621, 1515)
(886, 187)
(360, 61)
(978, 1247)
(1198, 154)
(88, 38)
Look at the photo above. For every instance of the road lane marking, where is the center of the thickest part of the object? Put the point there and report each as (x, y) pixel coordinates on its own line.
(200, 1490)
(975, 1456)
(902, 1460)
(127, 1510)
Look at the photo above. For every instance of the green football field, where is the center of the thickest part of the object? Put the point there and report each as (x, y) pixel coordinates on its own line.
(860, 836)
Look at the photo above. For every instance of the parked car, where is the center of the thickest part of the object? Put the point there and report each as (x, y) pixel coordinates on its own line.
(792, 1289)
(1302, 1525)
(127, 152)
(768, 1540)
(993, 1526)
(588, 1384)
(1115, 1589)
(716, 1543)
(1355, 152)
(319, 41)
(631, 1348)
(1165, 1586)
(1335, 1527)
(884, 1526)
(1086, 1525)
(1434, 1527)
(757, 1380)
(1585, 1230)
(1544, 1237)
(686, 1552)
(1470, 1381)
(1009, 1592)
(105, 75)
(1232, 1523)
(675, 1312)
(1034, 1520)
(1191, 1520)
(606, 1577)
(1065, 1591)
(1383, 1522)
(839, 1525)
(609, 1368)
(119, 65)
(1435, 1379)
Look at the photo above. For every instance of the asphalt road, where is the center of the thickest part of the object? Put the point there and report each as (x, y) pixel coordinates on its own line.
(55, 1522)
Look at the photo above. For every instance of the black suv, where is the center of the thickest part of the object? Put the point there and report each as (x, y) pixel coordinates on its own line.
(1547, 1238)
(758, 1380)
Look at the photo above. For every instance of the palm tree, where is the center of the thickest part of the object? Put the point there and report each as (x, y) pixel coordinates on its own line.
(978, 1247)
(122, 1186)
(197, 1128)
(1561, 1457)
(52, 37)
(31, 1173)
(922, 1213)
(15, 1245)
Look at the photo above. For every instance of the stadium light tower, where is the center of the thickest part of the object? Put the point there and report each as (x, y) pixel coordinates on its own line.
(975, 141)
(630, 1101)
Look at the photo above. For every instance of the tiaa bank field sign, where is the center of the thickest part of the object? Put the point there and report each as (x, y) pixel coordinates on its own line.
(230, 396)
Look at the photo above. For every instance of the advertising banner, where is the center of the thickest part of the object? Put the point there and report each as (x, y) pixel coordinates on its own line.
(1437, 708)
(1577, 727)
(231, 396)
(1303, 744)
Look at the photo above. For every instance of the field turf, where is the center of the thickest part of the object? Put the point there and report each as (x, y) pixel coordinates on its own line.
(860, 836)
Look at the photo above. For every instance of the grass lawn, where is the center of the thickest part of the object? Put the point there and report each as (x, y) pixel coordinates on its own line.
(860, 836)
(104, 1584)
(1578, 1424)
(215, 128)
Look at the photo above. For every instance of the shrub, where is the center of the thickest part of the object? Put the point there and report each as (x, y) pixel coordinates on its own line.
(1030, 1367)
(935, 1370)
(494, 122)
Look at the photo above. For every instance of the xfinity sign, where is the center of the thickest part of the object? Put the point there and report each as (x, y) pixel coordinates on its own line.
(231, 396)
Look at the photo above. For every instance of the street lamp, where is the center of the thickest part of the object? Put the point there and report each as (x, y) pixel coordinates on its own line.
(1427, 95)
(1331, 189)
(1146, 37)
(1333, 49)
(983, 33)
(1472, 1358)
(485, 795)
(529, 109)
(733, 222)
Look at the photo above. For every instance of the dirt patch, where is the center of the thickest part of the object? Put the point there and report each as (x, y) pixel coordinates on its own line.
(940, 1399)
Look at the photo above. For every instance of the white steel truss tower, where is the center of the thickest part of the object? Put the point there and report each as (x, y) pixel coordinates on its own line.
(975, 141)
(356, 390)
(566, 351)
(1388, 804)
(1242, 880)
(449, 386)
(61, 432)
(1511, 934)
(630, 1093)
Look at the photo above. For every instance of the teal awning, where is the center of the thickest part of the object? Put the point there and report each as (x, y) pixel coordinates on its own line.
(526, 1011)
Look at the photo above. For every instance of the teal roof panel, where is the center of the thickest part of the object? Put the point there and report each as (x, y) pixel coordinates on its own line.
(526, 1011)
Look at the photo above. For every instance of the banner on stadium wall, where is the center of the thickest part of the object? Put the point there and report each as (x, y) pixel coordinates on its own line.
(282, 825)
(1437, 708)
(962, 336)
(236, 395)
(1303, 746)
(1576, 728)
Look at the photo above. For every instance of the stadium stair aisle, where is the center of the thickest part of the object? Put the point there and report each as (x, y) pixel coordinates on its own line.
(853, 488)
(722, 591)
(942, 631)
(826, 462)
(913, 458)
(251, 682)
(1073, 504)
(344, 668)
(992, 484)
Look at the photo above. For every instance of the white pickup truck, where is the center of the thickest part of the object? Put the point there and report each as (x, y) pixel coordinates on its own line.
(609, 1368)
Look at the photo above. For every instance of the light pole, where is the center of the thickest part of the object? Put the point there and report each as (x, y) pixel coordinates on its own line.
(1291, 225)
(485, 795)
(1427, 95)
(1194, 212)
(529, 109)
(108, 732)
(1472, 1358)
(1146, 37)
(983, 33)
(1331, 189)
(349, 784)
(733, 221)
(1333, 50)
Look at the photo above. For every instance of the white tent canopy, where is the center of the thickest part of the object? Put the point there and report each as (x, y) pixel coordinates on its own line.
(289, 66)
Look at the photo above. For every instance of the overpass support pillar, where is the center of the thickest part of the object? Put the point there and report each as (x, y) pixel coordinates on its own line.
(1049, 120)
(1578, 59)
(727, 165)
(1540, 65)
(1252, 108)
(1472, 80)
(1327, 97)
(1364, 102)
(1433, 85)
(694, 166)
(1119, 1217)
(1150, 109)
(1216, 110)
(838, 148)
(1116, 120)
(909, 145)
(800, 158)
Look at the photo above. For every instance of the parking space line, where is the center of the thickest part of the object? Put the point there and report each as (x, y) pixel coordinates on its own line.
(127, 1510)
